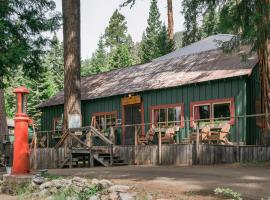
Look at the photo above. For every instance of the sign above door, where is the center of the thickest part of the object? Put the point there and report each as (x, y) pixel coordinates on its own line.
(131, 100)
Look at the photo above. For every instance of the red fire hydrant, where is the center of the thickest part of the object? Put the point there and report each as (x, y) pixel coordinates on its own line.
(21, 162)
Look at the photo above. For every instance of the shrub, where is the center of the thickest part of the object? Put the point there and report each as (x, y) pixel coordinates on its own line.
(227, 193)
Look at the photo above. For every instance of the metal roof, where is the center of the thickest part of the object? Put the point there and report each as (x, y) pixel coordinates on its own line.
(210, 43)
(164, 73)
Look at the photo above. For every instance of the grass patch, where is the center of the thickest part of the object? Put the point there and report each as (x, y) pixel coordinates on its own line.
(51, 176)
(70, 192)
(252, 164)
(227, 193)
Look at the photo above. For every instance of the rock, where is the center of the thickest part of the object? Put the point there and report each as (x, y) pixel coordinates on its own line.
(53, 190)
(45, 185)
(95, 197)
(114, 196)
(95, 181)
(50, 198)
(119, 188)
(43, 193)
(38, 180)
(149, 197)
(104, 197)
(105, 183)
(127, 196)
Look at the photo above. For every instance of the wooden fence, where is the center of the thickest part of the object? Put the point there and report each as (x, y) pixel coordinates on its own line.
(179, 154)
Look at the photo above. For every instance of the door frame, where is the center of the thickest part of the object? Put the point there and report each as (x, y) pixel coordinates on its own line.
(123, 120)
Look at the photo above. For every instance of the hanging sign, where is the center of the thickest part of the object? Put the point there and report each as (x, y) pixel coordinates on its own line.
(131, 100)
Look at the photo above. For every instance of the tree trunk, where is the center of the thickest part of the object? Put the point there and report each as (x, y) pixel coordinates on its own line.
(3, 116)
(170, 19)
(264, 64)
(72, 56)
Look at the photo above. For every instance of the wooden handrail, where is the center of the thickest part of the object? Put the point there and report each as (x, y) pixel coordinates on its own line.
(63, 138)
(101, 136)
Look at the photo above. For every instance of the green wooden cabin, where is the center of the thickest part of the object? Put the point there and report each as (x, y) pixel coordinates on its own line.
(199, 81)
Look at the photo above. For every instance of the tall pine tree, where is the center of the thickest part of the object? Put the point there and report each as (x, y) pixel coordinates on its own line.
(98, 62)
(150, 42)
(120, 57)
(155, 40)
(116, 32)
(192, 30)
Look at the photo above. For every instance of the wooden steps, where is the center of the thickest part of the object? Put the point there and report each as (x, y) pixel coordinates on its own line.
(79, 150)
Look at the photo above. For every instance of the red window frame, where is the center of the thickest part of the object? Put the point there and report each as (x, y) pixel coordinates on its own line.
(181, 105)
(105, 113)
(212, 102)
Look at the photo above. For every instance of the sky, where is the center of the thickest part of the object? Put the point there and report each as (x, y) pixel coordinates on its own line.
(95, 15)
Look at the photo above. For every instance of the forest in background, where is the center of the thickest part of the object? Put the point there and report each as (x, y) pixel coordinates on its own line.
(116, 48)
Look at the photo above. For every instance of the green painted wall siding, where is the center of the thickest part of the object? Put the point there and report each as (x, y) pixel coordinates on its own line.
(227, 88)
(235, 88)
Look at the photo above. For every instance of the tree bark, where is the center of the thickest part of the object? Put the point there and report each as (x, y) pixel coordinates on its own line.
(170, 20)
(264, 63)
(3, 115)
(72, 57)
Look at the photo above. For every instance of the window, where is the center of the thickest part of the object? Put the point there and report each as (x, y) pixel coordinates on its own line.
(167, 115)
(222, 111)
(202, 112)
(212, 110)
(103, 121)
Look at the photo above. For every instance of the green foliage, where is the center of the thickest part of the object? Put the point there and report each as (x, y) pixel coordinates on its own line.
(178, 37)
(88, 193)
(227, 193)
(210, 21)
(115, 49)
(116, 32)
(54, 62)
(165, 44)
(191, 13)
(120, 57)
(155, 42)
(50, 176)
(21, 41)
(98, 62)
(48, 81)
(150, 41)
(70, 192)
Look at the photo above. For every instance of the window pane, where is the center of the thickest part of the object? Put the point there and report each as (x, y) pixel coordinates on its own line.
(102, 122)
(108, 121)
(202, 112)
(171, 116)
(98, 123)
(162, 117)
(113, 120)
(222, 110)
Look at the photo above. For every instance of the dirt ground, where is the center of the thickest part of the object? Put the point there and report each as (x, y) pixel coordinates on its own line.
(178, 182)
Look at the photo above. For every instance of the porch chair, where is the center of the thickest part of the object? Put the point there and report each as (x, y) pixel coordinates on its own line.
(203, 135)
(168, 137)
(150, 135)
(221, 136)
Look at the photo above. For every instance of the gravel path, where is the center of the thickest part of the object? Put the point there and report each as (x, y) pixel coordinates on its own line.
(176, 182)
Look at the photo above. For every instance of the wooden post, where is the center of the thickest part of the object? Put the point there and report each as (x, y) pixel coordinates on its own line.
(47, 150)
(89, 139)
(112, 135)
(111, 154)
(135, 144)
(70, 159)
(238, 139)
(91, 158)
(197, 142)
(159, 146)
